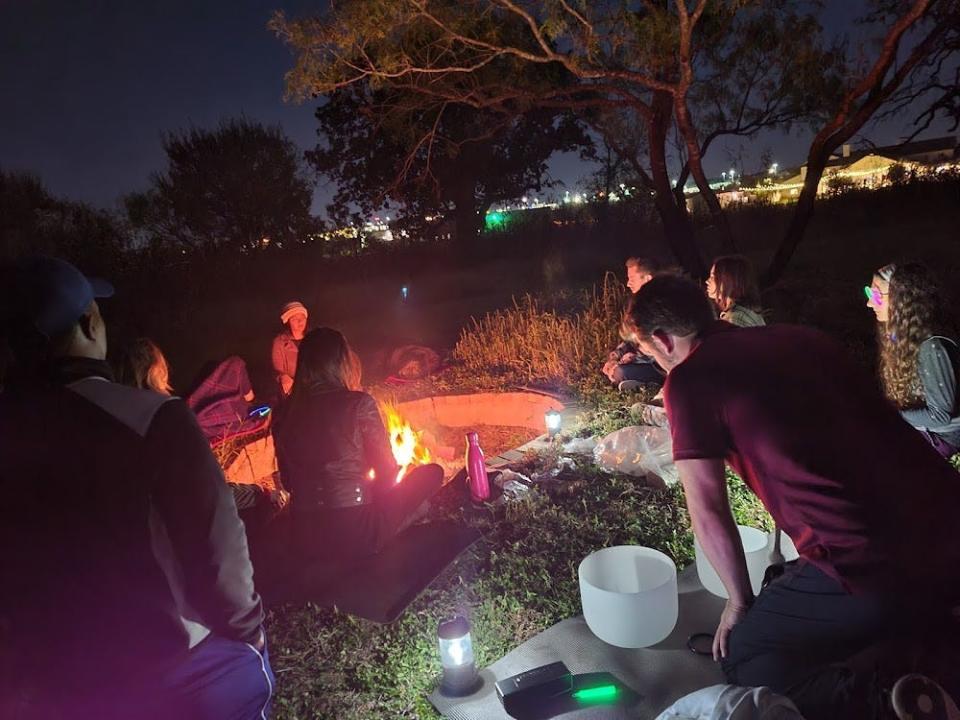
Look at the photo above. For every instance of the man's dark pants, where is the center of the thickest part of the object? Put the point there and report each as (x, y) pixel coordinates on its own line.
(638, 372)
(797, 637)
(830, 651)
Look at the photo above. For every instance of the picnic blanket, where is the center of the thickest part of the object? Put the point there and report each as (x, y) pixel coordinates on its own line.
(379, 587)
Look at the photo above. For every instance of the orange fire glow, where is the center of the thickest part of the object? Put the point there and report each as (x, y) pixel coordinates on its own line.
(408, 449)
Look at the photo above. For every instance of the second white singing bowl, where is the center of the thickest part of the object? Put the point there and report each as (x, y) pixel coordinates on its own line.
(629, 595)
(756, 548)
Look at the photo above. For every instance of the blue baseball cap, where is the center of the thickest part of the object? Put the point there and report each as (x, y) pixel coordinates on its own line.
(53, 294)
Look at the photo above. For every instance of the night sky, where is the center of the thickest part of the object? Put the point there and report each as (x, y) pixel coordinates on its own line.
(87, 88)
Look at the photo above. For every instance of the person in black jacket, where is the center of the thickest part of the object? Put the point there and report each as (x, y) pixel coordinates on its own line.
(127, 586)
(336, 461)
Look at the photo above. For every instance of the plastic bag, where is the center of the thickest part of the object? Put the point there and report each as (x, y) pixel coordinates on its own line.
(637, 451)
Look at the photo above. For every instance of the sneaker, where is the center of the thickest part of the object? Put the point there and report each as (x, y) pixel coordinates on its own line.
(917, 697)
(646, 414)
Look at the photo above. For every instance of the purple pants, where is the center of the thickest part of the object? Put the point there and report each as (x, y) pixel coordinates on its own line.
(220, 680)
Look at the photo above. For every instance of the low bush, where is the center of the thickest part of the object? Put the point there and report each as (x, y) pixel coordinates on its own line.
(534, 342)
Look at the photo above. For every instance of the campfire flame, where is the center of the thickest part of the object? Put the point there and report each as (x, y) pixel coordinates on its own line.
(408, 449)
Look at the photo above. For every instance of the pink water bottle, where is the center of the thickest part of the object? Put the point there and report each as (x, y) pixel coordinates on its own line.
(476, 470)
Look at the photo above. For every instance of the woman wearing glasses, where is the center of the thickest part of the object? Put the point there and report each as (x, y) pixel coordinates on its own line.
(919, 356)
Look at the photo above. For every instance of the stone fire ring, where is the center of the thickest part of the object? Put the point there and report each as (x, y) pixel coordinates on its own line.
(519, 409)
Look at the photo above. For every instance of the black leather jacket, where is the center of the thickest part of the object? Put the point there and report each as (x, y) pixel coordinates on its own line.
(327, 443)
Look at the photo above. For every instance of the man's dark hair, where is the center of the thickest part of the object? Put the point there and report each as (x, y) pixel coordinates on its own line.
(670, 304)
(643, 263)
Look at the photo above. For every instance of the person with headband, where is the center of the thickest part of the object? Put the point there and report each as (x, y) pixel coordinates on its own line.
(919, 356)
(294, 317)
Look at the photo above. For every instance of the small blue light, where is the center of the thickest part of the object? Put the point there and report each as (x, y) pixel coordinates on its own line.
(260, 412)
(405, 292)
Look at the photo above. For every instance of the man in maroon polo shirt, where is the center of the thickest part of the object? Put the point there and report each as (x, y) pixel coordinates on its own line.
(871, 507)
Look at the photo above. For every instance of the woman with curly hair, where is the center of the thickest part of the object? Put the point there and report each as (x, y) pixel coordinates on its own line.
(733, 287)
(918, 355)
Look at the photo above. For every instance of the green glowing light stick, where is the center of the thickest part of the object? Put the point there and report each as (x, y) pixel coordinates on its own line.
(597, 694)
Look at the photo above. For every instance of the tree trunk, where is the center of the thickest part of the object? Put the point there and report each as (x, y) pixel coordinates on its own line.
(672, 210)
(695, 164)
(467, 220)
(853, 115)
(802, 214)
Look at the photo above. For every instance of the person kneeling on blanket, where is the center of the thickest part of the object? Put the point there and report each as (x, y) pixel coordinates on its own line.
(870, 505)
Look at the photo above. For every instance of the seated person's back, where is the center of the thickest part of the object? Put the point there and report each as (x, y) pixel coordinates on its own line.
(336, 460)
(328, 443)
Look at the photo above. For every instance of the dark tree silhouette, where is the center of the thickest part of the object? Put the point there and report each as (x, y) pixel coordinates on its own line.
(696, 69)
(380, 149)
(229, 187)
(32, 221)
(704, 69)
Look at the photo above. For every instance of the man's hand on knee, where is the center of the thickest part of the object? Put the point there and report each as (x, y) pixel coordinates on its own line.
(732, 614)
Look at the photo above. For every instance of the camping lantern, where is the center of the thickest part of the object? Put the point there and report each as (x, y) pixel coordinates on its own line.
(552, 419)
(456, 656)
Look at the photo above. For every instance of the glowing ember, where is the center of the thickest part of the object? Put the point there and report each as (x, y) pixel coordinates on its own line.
(408, 449)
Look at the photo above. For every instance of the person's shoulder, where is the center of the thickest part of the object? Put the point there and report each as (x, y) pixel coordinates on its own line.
(939, 343)
(360, 397)
(939, 348)
(135, 408)
(743, 316)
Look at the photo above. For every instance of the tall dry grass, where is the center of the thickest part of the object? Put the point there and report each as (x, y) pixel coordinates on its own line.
(533, 342)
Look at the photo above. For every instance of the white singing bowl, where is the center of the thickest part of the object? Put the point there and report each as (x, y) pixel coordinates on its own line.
(629, 595)
(756, 548)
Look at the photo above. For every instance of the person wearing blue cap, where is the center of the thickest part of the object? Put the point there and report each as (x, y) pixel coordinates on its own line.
(127, 589)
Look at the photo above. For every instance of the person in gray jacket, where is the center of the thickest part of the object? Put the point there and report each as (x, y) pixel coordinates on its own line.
(919, 356)
(127, 585)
